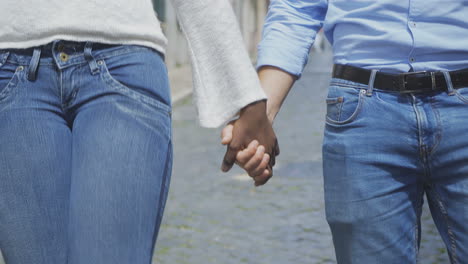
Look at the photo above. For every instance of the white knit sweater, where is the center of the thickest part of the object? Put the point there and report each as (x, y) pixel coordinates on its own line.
(224, 79)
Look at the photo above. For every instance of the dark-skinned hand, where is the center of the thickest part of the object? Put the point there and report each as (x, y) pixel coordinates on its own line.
(251, 143)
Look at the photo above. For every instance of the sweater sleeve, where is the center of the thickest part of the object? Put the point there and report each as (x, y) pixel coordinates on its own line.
(224, 78)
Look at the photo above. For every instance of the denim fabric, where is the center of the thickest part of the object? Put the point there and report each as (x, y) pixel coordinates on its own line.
(85, 153)
(382, 152)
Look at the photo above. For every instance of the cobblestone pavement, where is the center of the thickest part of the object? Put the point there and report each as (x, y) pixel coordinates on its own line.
(216, 218)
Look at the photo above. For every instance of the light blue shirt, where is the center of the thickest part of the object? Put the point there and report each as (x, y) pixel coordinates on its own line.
(390, 35)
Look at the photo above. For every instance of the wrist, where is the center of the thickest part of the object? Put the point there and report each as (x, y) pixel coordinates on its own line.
(271, 111)
(271, 117)
(255, 110)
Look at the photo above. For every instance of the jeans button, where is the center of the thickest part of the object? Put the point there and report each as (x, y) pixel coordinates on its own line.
(63, 56)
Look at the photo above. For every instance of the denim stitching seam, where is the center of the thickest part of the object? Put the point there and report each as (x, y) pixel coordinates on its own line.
(438, 128)
(418, 222)
(340, 108)
(422, 148)
(163, 195)
(443, 211)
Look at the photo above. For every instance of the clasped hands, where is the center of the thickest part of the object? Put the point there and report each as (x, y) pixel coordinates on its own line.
(251, 143)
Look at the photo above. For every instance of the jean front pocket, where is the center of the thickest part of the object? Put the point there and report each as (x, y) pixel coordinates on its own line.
(141, 75)
(343, 104)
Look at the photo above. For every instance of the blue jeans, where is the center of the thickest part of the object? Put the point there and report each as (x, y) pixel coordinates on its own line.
(85, 153)
(382, 152)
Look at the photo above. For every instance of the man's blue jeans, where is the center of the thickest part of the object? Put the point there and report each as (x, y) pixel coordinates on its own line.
(382, 152)
(85, 153)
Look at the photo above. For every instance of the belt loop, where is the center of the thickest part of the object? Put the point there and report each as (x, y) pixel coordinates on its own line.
(33, 64)
(4, 57)
(370, 87)
(433, 81)
(448, 80)
(89, 57)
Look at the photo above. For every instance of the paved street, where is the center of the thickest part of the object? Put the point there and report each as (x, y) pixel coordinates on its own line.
(216, 218)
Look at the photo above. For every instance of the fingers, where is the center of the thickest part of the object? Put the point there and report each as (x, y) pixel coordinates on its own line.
(276, 152)
(245, 155)
(262, 172)
(226, 134)
(255, 161)
(272, 160)
(229, 157)
(260, 168)
(262, 179)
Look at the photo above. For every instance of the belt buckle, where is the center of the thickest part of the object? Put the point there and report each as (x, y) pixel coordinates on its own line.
(404, 82)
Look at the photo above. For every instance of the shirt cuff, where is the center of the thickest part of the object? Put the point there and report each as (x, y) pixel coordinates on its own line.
(281, 58)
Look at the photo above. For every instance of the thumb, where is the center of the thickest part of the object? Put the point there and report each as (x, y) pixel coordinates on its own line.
(226, 134)
(229, 159)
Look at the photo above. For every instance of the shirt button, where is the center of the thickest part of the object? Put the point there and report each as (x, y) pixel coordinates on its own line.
(63, 56)
(412, 24)
(412, 59)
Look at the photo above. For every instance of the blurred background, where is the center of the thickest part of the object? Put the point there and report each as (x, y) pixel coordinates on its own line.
(217, 218)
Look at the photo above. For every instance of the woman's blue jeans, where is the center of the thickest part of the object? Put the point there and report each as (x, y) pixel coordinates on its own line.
(382, 152)
(85, 153)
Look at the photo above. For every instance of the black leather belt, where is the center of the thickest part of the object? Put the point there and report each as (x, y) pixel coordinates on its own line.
(408, 82)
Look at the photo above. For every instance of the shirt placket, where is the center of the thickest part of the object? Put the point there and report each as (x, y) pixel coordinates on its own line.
(413, 27)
